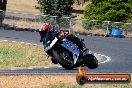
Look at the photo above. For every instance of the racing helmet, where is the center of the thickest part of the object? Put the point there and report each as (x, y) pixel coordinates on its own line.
(45, 27)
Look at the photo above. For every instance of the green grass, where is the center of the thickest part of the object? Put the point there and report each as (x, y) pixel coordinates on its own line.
(18, 55)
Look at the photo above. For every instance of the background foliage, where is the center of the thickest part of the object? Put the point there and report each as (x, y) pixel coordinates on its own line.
(111, 10)
(56, 7)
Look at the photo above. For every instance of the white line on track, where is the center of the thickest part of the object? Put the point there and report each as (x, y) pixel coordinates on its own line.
(107, 60)
(22, 42)
(13, 69)
(4, 40)
(29, 68)
(99, 56)
(28, 43)
(13, 41)
(46, 67)
(34, 44)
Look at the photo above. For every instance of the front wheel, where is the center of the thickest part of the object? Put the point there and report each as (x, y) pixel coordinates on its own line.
(54, 61)
(64, 59)
(91, 61)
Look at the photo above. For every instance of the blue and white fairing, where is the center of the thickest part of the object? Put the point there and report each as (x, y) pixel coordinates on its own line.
(73, 48)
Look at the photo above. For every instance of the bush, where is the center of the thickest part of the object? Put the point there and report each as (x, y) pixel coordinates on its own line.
(56, 7)
(112, 10)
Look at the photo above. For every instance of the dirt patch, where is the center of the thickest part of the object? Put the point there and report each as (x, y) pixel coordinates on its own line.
(21, 24)
(22, 5)
(24, 81)
(44, 81)
(92, 31)
(129, 34)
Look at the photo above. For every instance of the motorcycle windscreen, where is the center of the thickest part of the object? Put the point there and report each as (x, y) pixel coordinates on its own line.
(73, 48)
(49, 44)
(50, 40)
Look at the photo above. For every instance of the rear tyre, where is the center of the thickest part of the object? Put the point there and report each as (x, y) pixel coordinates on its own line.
(91, 61)
(62, 58)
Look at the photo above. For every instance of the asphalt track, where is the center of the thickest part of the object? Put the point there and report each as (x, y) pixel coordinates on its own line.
(118, 49)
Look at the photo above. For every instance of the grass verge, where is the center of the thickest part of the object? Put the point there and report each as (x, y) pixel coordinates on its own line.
(20, 55)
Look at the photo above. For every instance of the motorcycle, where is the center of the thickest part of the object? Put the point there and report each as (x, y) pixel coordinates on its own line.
(68, 50)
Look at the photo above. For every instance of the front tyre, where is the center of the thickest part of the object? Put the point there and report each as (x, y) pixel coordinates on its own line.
(54, 61)
(64, 59)
(91, 61)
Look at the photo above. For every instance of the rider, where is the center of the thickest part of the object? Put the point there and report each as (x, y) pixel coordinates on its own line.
(45, 28)
(47, 31)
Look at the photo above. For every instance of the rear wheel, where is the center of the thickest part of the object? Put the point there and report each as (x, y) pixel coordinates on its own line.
(91, 61)
(64, 59)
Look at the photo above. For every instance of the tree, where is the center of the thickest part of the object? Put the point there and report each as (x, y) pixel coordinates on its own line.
(112, 10)
(56, 7)
(80, 1)
(3, 5)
